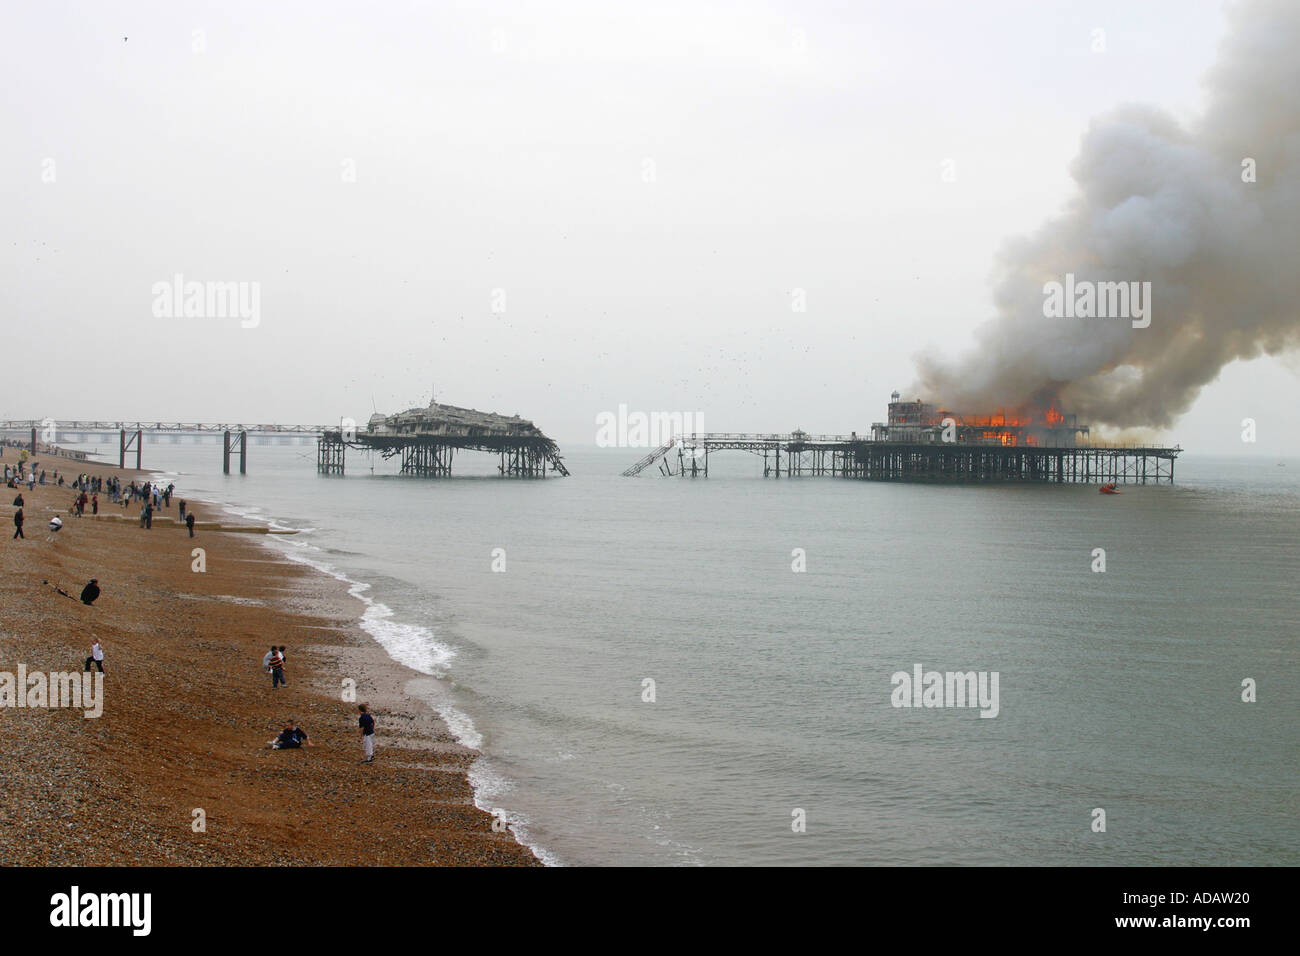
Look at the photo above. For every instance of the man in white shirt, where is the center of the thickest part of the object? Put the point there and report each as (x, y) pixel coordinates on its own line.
(96, 655)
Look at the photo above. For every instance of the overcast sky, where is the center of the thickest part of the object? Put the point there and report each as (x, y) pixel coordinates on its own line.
(552, 209)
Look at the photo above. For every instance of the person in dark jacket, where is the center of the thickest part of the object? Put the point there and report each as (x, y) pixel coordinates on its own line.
(90, 593)
(18, 524)
(189, 523)
(291, 737)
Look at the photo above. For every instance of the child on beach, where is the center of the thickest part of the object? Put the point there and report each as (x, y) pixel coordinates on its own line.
(291, 737)
(96, 656)
(276, 664)
(367, 724)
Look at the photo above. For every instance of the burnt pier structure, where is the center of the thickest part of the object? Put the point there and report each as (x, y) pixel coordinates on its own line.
(428, 438)
(922, 442)
(849, 456)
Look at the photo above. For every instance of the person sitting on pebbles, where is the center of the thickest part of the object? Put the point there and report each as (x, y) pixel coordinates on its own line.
(291, 737)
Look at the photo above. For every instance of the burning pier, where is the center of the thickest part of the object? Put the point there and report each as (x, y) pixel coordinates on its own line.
(919, 442)
(427, 438)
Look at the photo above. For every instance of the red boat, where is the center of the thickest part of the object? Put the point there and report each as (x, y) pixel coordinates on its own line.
(1110, 489)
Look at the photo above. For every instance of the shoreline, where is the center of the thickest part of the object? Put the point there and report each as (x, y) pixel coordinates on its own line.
(188, 711)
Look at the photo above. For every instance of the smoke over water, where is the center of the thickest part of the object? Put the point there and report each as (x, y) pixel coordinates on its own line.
(1165, 204)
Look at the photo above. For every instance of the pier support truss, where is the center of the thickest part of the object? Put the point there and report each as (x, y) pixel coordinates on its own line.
(232, 441)
(430, 456)
(331, 452)
(426, 461)
(892, 461)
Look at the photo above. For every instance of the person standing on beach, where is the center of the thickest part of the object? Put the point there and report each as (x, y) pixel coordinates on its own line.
(96, 656)
(183, 511)
(148, 515)
(276, 664)
(18, 502)
(367, 724)
(94, 504)
(189, 523)
(18, 524)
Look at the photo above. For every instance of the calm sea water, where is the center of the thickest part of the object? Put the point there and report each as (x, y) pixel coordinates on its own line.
(772, 689)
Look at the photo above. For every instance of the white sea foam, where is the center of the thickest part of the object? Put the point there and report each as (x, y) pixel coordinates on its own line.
(412, 645)
(488, 783)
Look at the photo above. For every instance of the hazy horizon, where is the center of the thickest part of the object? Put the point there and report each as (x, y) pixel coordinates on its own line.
(555, 213)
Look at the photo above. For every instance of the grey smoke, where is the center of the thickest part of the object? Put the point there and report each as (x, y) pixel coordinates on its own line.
(1165, 203)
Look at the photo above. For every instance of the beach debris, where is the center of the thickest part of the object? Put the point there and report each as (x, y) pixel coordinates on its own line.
(60, 590)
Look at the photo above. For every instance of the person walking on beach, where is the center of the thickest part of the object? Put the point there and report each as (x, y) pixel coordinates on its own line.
(367, 724)
(189, 523)
(18, 524)
(96, 656)
(94, 504)
(276, 664)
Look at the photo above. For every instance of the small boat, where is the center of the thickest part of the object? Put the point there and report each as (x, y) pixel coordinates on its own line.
(1110, 489)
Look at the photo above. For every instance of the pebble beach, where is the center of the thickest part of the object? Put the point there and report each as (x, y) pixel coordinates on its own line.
(178, 769)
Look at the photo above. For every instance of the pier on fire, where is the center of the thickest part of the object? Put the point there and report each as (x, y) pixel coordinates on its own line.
(921, 443)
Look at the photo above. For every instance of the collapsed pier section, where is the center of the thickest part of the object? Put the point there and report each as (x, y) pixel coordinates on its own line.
(428, 438)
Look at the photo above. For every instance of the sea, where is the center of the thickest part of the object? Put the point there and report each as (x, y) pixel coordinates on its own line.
(667, 671)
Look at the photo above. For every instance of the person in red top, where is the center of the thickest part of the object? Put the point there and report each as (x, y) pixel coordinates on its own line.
(276, 663)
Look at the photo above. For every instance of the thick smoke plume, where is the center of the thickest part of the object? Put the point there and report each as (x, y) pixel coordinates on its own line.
(1166, 204)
